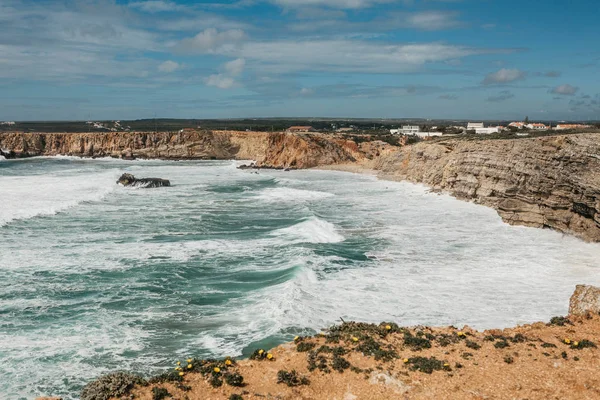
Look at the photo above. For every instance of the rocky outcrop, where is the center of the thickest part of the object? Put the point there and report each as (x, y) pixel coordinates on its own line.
(271, 150)
(551, 182)
(585, 299)
(130, 180)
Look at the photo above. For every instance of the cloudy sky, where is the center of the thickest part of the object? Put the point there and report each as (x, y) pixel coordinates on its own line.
(106, 59)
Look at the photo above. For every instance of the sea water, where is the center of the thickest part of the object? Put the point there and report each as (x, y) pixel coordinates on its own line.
(95, 277)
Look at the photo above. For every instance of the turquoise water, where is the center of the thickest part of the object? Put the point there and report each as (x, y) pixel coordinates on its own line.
(95, 277)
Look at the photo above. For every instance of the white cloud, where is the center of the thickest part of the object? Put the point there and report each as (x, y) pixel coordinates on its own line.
(210, 40)
(432, 20)
(235, 67)
(221, 81)
(169, 66)
(565, 89)
(154, 6)
(504, 76)
(349, 4)
(226, 79)
(347, 55)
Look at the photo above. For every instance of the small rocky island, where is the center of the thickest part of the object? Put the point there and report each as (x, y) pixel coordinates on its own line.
(130, 180)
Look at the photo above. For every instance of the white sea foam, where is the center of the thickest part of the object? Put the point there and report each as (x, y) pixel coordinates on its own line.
(287, 194)
(313, 230)
(160, 274)
(25, 197)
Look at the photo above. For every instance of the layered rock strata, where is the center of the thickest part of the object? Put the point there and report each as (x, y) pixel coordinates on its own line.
(551, 182)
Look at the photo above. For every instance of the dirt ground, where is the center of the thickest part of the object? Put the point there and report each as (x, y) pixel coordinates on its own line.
(555, 360)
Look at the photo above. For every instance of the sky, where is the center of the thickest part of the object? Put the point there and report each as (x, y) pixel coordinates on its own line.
(463, 59)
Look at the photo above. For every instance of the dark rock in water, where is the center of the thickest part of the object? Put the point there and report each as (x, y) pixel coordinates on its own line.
(8, 154)
(130, 180)
(250, 166)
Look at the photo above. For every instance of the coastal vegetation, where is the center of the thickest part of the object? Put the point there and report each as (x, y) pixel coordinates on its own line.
(384, 354)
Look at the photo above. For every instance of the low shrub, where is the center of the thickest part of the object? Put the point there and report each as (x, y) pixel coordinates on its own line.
(160, 393)
(291, 378)
(117, 384)
(426, 365)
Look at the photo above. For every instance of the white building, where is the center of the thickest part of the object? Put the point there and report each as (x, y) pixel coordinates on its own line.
(537, 127)
(487, 131)
(428, 134)
(471, 126)
(519, 125)
(410, 130)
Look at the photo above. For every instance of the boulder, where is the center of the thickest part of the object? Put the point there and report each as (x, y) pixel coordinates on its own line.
(584, 300)
(130, 180)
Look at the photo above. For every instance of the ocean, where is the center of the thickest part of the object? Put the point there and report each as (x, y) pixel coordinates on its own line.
(95, 277)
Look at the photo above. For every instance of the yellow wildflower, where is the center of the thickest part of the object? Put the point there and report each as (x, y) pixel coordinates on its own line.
(190, 366)
(178, 362)
(446, 365)
(388, 327)
(568, 341)
(269, 356)
(296, 338)
(575, 344)
(461, 334)
(405, 360)
(189, 360)
(217, 370)
(181, 374)
(354, 339)
(261, 351)
(227, 362)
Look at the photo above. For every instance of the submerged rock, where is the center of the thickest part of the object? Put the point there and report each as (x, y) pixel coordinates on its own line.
(584, 300)
(130, 180)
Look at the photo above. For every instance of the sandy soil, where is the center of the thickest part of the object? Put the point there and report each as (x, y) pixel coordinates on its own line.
(539, 361)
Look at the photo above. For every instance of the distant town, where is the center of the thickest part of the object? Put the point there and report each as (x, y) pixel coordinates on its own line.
(394, 131)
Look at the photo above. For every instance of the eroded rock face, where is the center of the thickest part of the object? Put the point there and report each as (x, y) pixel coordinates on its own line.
(130, 180)
(585, 299)
(548, 182)
(270, 150)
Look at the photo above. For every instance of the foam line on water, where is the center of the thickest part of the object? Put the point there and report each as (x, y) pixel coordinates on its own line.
(287, 194)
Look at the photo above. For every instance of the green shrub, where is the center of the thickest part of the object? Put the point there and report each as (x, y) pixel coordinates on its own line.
(160, 393)
(340, 363)
(560, 321)
(291, 378)
(426, 365)
(305, 346)
(583, 344)
(234, 379)
(117, 384)
(236, 397)
(472, 345)
(416, 342)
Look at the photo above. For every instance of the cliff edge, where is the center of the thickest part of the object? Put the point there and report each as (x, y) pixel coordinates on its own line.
(546, 182)
(351, 361)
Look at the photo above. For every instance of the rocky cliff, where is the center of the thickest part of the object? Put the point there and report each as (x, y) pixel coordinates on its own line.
(550, 181)
(272, 150)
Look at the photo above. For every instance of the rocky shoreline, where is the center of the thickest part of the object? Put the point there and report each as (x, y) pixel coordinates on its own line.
(546, 182)
(558, 359)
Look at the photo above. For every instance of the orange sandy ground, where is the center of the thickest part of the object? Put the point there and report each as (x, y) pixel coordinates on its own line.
(536, 372)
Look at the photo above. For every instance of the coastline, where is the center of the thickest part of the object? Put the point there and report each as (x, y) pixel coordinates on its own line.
(386, 361)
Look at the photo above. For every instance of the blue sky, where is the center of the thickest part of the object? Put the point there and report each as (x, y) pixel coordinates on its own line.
(468, 59)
